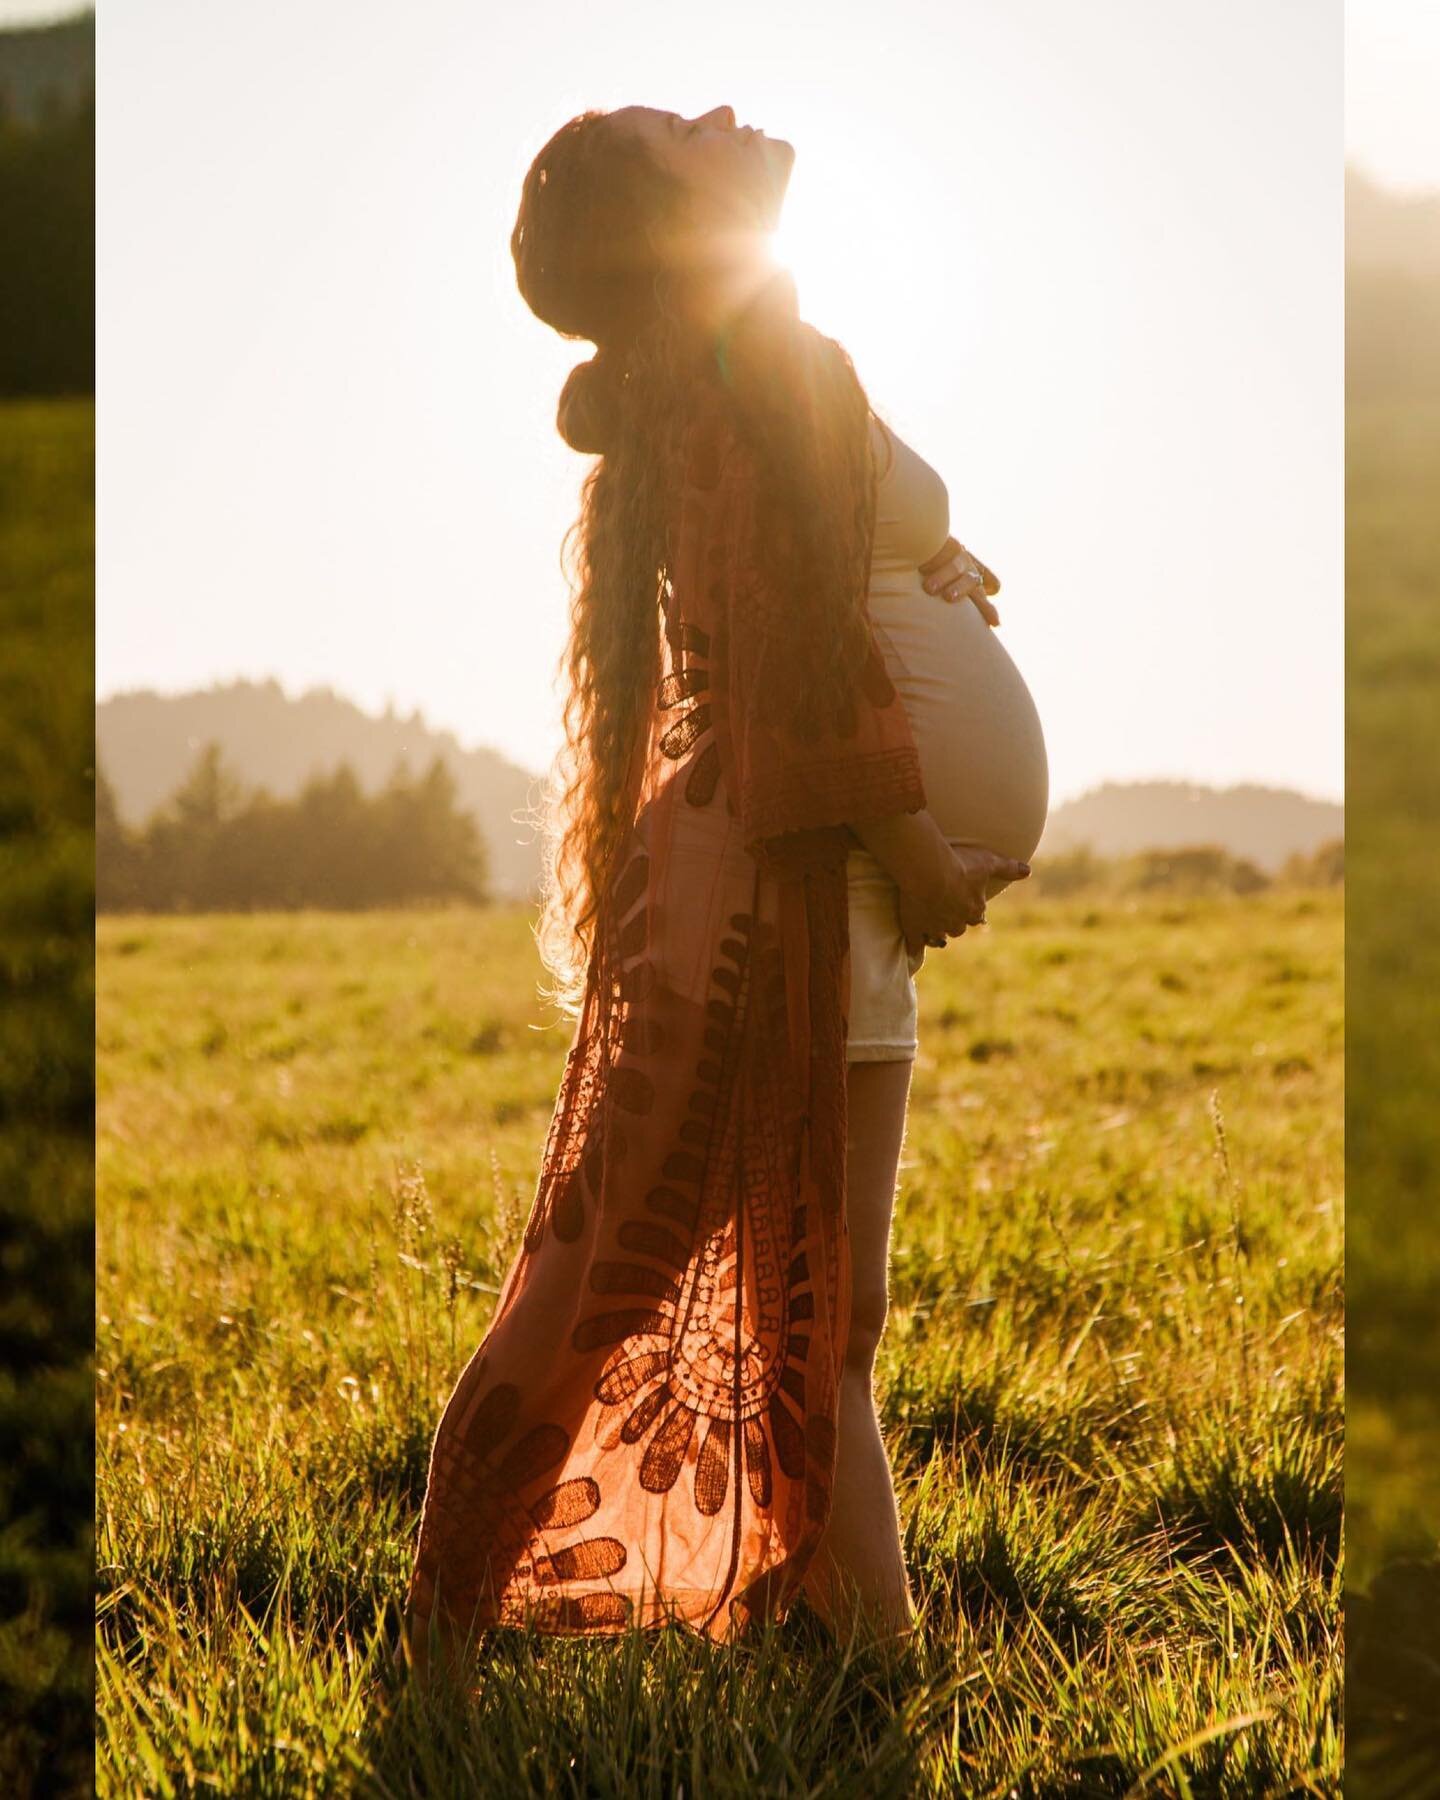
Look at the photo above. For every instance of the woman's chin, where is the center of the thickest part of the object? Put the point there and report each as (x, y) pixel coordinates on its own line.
(779, 161)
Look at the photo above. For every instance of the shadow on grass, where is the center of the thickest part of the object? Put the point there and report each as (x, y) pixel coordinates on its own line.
(1392, 1708)
(1264, 1493)
(657, 1712)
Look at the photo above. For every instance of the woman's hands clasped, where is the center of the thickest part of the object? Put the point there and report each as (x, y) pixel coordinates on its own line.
(975, 874)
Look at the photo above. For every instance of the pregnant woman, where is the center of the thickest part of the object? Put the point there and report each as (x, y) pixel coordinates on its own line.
(670, 1417)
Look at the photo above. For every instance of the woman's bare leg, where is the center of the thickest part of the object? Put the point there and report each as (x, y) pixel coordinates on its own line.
(860, 1560)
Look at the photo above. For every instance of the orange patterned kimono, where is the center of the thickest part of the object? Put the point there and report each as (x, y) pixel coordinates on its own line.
(647, 1432)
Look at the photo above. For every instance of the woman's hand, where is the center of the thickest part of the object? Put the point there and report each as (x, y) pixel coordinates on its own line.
(920, 925)
(927, 922)
(958, 574)
(941, 886)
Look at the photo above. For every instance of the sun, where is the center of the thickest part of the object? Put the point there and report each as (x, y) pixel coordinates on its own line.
(810, 241)
(831, 238)
(872, 269)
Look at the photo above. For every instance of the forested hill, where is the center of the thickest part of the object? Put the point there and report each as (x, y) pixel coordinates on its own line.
(46, 69)
(1386, 230)
(147, 743)
(47, 208)
(1265, 825)
(1392, 294)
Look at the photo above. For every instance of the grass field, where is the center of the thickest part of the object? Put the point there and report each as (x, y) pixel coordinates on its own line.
(47, 896)
(1111, 1381)
(1392, 558)
(1393, 661)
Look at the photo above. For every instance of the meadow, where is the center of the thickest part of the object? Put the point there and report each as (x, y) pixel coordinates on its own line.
(1112, 1378)
(1392, 654)
(47, 892)
(1393, 685)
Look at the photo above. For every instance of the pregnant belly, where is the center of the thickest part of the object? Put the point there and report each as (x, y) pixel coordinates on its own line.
(982, 751)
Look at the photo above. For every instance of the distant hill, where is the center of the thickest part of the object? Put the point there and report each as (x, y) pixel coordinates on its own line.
(47, 209)
(1392, 294)
(46, 69)
(1385, 230)
(147, 742)
(1263, 824)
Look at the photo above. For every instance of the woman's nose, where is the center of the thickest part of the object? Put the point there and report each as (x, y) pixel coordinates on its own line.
(726, 115)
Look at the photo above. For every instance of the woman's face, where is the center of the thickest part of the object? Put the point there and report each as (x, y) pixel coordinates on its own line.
(736, 175)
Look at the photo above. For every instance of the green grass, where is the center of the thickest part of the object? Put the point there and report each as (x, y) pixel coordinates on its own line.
(1393, 1072)
(1393, 655)
(47, 712)
(1111, 1380)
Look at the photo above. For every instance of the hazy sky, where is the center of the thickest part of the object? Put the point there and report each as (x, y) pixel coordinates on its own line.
(1087, 260)
(1392, 75)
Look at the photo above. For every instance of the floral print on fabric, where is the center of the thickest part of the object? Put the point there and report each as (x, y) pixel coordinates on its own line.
(647, 1432)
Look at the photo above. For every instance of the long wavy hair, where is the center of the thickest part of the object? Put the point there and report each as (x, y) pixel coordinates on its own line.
(602, 251)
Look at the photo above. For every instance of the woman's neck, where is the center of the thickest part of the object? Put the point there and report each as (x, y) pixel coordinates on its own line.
(744, 301)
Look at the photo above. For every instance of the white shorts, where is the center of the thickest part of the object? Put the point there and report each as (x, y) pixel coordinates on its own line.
(883, 1003)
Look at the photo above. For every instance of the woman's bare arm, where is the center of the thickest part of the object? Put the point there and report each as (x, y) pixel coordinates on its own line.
(912, 850)
(946, 886)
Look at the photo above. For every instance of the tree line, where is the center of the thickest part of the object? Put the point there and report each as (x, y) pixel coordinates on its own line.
(216, 847)
(47, 203)
(1192, 870)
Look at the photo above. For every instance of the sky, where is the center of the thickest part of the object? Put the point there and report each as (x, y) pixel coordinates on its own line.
(1392, 75)
(1087, 261)
(35, 12)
